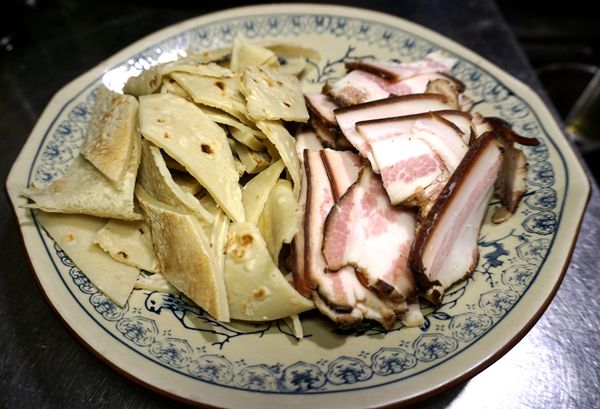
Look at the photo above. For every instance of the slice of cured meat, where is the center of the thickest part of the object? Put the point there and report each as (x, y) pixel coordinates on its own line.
(361, 86)
(445, 249)
(394, 71)
(415, 154)
(339, 295)
(342, 168)
(396, 106)
(364, 230)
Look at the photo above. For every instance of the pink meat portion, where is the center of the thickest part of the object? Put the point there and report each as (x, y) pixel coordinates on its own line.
(415, 154)
(347, 117)
(364, 230)
(340, 294)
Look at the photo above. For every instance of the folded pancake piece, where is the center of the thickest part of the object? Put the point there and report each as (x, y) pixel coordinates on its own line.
(256, 288)
(186, 258)
(280, 219)
(285, 145)
(245, 53)
(74, 233)
(157, 180)
(109, 139)
(129, 242)
(186, 134)
(207, 69)
(256, 192)
(84, 189)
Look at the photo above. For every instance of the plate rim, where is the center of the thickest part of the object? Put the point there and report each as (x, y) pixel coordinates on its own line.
(407, 25)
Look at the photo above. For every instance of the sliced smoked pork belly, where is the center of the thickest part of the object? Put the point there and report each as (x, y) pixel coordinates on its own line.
(364, 230)
(301, 282)
(445, 249)
(347, 117)
(306, 138)
(320, 107)
(394, 71)
(339, 295)
(319, 201)
(511, 183)
(343, 168)
(360, 86)
(415, 154)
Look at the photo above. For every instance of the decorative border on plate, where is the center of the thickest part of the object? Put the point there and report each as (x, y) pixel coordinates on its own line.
(508, 273)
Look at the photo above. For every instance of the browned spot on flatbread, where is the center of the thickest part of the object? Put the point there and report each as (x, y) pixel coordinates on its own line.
(221, 85)
(160, 121)
(123, 254)
(259, 293)
(70, 237)
(241, 245)
(166, 135)
(206, 148)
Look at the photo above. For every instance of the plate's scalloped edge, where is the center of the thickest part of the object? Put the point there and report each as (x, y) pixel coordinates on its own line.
(53, 108)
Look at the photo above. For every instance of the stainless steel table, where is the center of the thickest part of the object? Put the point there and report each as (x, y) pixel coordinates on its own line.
(556, 365)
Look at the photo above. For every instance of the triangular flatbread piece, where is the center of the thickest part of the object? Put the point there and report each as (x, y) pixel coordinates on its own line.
(129, 242)
(84, 189)
(109, 139)
(186, 258)
(256, 288)
(74, 233)
(273, 95)
(186, 134)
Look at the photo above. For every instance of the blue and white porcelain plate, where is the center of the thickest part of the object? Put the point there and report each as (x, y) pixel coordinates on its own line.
(170, 345)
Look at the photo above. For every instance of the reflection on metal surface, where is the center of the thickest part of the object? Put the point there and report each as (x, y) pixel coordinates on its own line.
(583, 121)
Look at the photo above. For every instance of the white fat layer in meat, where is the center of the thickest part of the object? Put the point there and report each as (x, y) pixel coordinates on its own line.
(413, 317)
(443, 140)
(364, 230)
(342, 168)
(393, 107)
(306, 138)
(298, 242)
(322, 105)
(451, 251)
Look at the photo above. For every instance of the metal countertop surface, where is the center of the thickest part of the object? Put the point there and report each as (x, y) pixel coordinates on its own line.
(556, 365)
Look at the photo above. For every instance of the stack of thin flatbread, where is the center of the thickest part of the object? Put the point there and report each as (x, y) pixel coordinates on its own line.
(191, 175)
